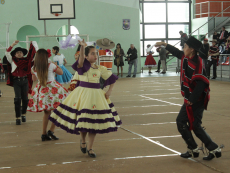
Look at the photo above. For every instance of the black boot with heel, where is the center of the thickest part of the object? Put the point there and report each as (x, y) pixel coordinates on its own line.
(46, 138)
(51, 135)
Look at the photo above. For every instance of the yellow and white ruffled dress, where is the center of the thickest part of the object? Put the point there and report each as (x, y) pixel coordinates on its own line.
(86, 109)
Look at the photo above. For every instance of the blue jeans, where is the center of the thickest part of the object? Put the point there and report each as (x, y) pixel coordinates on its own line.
(131, 63)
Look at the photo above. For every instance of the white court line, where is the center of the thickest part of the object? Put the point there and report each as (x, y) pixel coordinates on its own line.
(5, 167)
(148, 124)
(161, 94)
(161, 145)
(146, 106)
(149, 114)
(161, 100)
(41, 165)
(140, 157)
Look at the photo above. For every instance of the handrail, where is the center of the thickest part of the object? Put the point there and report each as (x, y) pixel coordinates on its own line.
(209, 1)
(200, 27)
(224, 54)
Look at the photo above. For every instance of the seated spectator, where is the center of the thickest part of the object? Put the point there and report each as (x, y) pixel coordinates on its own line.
(216, 36)
(223, 36)
(227, 44)
(226, 51)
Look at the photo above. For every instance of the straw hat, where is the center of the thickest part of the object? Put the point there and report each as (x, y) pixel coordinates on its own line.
(105, 43)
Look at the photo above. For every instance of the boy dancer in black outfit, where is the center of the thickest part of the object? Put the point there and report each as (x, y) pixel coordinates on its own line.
(195, 90)
(19, 76)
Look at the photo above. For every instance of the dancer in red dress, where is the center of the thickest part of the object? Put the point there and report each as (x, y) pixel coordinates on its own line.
(150, 62)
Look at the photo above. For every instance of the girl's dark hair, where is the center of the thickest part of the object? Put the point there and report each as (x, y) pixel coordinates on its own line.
(87, 50)
(148, 45)
(57, 49)
(118, 44)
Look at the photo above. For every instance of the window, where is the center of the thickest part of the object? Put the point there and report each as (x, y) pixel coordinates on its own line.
(154, 12)
(181, 15)
(175, 43)
(157, 23)
(154, 31)
(173, 30)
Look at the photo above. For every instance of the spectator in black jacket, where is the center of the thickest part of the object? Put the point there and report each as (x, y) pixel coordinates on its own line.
(223, 35)
(204, 52)
(132, 59)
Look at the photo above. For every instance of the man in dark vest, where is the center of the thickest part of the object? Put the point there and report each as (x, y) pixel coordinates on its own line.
(195, 90)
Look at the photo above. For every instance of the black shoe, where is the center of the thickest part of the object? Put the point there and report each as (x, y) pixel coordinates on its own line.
(190, 153)
(51, 135)
(214, 78)
(23, 118)
(18, 121)
(163, 72)
(83, 150)
(128, 76)
(157, 71)
(46, 138)
(93, 155)
(134, 76)
(150, 72)
(208, 77)
(212, 154)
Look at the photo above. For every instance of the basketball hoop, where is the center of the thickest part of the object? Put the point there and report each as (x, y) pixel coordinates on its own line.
(56, 14)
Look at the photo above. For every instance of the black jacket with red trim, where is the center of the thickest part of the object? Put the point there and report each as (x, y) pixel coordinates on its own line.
(194, 82)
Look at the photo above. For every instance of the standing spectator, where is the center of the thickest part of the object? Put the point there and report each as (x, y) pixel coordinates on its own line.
(132, 59)
(119, 62)
(183, 38)
(162, 59)
(214, 54)
(204, 52)
(223, 36)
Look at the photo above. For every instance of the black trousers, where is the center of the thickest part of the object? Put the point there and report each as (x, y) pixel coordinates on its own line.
(210, 63)
(221, 41)
(159, 65)
(21, 96)
(182, 125)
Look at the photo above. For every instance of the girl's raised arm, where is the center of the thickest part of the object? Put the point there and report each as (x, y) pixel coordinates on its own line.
(82, 53)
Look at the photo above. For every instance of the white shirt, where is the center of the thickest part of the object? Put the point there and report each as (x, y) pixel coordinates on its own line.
(59, 58)
(51, 72)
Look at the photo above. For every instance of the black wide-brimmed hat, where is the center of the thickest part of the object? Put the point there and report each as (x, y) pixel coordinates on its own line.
(24, 51)
(194, 43)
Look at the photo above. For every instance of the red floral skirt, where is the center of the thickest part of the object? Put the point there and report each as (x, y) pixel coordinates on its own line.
(47, 98)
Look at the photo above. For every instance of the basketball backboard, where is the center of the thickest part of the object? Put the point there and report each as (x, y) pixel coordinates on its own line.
(56, 9)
